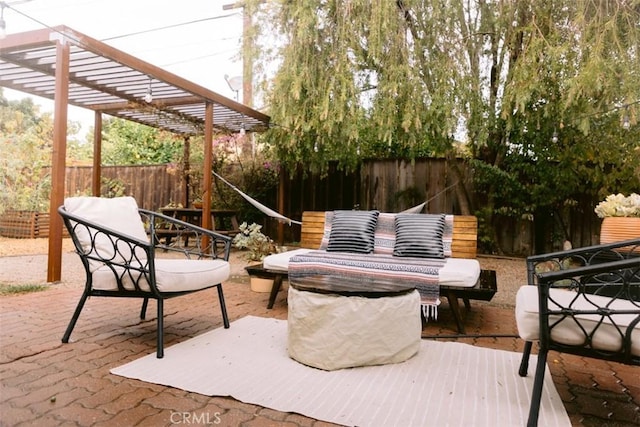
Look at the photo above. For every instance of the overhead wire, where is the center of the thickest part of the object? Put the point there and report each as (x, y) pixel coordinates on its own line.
(195, 21)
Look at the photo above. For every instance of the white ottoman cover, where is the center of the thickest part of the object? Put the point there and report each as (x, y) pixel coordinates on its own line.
(330, 331)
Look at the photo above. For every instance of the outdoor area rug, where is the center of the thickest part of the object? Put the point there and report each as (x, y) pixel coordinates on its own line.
(446, 383)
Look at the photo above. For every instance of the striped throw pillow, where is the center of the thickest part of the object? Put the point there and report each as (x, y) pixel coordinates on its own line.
(353, 231)
(419, 235)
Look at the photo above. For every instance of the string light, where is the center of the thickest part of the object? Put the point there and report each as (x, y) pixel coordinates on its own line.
(626, 124)
(554, 138)
(148, 97)
(3, 25)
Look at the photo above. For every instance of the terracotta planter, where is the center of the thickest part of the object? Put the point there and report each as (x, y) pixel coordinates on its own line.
(616, 229)
(259, 284)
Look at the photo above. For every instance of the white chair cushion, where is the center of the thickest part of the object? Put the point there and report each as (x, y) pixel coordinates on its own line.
(568, 332)
(172, 275)
(118, 213)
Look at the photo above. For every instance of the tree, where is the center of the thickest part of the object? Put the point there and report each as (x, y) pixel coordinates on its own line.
(130, 143)
(535, 89)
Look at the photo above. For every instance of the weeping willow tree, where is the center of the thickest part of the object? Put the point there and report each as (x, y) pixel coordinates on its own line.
(536, 92)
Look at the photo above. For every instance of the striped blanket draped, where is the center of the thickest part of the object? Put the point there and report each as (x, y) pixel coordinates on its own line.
(423, 273)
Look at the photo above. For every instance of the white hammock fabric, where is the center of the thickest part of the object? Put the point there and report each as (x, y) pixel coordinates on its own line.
(266, 210)
(415, 209)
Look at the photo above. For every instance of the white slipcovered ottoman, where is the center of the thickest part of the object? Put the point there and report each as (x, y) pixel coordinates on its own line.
(331, 331)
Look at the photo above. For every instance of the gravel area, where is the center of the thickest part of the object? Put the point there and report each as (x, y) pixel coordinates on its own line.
(24, 261)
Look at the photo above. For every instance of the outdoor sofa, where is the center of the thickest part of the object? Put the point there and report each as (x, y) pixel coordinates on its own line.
(436, 253)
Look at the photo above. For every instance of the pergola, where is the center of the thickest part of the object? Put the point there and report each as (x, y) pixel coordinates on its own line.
(69, 67)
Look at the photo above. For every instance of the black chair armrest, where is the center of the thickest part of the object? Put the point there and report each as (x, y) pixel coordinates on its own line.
(589, 255)
(206, 243)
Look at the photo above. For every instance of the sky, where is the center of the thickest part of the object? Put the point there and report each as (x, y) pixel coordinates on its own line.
(202, 52)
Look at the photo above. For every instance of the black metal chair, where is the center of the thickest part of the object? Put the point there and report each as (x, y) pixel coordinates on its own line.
(118, 245)
(583, 301)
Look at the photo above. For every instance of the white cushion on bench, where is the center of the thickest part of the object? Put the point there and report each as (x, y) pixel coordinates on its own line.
(280, 261)
(457, 272)
(568, 332)
(172, 275)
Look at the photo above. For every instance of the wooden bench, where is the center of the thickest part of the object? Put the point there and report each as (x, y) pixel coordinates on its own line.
(464, 245)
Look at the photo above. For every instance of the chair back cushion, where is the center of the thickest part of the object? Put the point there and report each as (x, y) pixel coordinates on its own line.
(119, 214)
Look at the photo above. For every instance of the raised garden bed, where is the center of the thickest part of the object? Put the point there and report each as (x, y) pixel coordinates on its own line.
(24, 224)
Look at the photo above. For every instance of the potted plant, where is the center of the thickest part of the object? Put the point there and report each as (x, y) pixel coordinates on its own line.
(621, 217)
(258, 245)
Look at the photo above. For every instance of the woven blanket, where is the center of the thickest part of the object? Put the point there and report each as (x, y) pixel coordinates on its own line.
(422, 273)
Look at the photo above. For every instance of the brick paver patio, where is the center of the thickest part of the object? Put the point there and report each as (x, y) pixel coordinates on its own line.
(46, 383)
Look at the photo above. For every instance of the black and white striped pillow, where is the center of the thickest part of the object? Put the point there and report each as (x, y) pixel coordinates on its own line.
(419, 235)
(353, 231)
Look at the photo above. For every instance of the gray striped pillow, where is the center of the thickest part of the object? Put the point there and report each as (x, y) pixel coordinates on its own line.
(419, 235)
(353, 231)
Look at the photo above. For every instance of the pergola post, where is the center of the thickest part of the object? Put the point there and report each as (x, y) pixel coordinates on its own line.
(97, 154)
(58, 160)
(208, 163)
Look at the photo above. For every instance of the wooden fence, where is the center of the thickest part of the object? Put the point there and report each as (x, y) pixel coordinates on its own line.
(387, 185)
(153, 186)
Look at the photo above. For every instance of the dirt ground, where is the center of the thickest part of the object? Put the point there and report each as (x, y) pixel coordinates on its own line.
(24, 261)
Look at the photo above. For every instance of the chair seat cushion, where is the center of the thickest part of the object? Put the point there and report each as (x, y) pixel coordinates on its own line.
(568, 331)
(172, 275)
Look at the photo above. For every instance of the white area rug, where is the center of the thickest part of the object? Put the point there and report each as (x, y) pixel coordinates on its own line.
(445, 384)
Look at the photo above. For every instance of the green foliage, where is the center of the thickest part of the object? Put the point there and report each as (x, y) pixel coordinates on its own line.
(398, 78)
(10, 289)
(25, 153)
(113, 187)
(242, 162)
(252, 239)
(129, 143)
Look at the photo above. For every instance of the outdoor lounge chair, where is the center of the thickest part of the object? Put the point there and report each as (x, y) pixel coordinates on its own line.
(583, 301)
(117, 244)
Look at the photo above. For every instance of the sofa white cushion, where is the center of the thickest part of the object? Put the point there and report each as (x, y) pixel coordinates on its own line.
(459, 272)
(119, 214)
(280, 262)
(568, 331)
(172, 275)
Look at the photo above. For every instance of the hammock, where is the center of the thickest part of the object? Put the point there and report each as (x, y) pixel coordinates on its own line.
(266, 210)
(270, 212)
(415, 209)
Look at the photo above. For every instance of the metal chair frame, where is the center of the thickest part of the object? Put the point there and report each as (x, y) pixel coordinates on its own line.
(611, 270)
(136, 269)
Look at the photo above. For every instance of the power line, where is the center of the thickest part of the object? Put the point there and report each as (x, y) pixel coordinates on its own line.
(9, 6)
(171, 26)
